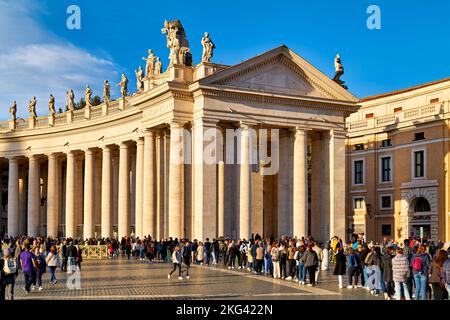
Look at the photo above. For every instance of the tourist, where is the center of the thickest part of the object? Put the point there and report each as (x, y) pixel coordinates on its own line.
(447, 274)
(28, 265)
(259, 258)
(79, 258)
(311, 263)
(340, 267)
(283, 259)
(243, 255)
(40, 268)
(316, 247)
(353, 269)
(407, 252)
(215, 251)
(232, 252)
(52, 261)
(8, 273)
(300, 263)
(187, 253)
(200, 253)
(400, 275)
(250, 261)
(420, 266)
(72, 253)
(291, 261)
(386, 272)
(275, 256)
(176, 263)
(373, 262)
(64, 256)
(437, 279)
(207, 247)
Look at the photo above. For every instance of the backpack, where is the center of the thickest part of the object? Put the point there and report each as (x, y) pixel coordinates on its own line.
(417, 264)
(10, 266)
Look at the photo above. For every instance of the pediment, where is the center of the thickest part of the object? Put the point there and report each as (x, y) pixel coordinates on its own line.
(279, 71)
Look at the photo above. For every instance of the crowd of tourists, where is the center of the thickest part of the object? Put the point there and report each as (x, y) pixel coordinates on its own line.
(407, 270)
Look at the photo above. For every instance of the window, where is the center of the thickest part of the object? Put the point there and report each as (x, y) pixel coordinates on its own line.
(419, 164)
(359, 146)
(386, 230)
(358, 169)
(386, 143)
(369, 115)
(386, 169)
(422, 205)
(435, 100)
(386, 202)
(358, 203)
(419, 136)
(398, 109)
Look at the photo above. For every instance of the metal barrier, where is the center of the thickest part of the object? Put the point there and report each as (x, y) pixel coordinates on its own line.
(89, 252)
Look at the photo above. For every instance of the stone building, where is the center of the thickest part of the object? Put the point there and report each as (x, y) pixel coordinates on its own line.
(397, 162)
(110, 170)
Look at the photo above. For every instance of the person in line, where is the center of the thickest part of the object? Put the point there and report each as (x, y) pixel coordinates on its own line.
(275, 256)
(311, 263)
(316, 247)
(52, 261)
(420, 266)
(437, 279)
(300, 262)
(400, 275)
(386, 271)
(291, 261)
(176, 263)
(283, 259)
(353, 269)
(446, 276)
(259, 258)
(232, 252)
(8, 275)
(28, 266)
(200, 253)
(340, 267)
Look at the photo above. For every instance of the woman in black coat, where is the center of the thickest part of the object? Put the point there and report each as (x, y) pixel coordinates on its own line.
(341, 266)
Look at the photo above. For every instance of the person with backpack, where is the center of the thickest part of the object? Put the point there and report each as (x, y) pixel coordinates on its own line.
(52, 261)
(8, 274)
(353, 269)
(420, 267)
(407, 252)
(400, 275)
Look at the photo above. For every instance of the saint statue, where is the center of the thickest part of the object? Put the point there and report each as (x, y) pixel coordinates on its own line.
(123, 85)
(87, 97)
(208, 47)
(13, 111)
(150, 63)
(338, 71)
(158, 66)
(51, 104)
(177, 43)
(70, 100)
(106, 92)
(32, 107)
(139, 82)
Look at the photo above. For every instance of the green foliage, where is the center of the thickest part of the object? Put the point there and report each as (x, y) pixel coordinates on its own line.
(80, 104)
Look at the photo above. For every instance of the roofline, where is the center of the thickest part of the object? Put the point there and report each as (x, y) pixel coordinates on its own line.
(395, 92)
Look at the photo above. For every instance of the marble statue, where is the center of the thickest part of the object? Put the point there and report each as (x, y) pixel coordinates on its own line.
(339, 71)
(13, 111)
(177, 43)
(158, 66)
(51, 104)
(139, 79)
(32, 107)
(150, 63)
(106, 92)
(208, 48)
(87, 96)
(123, 85)
(70, 100)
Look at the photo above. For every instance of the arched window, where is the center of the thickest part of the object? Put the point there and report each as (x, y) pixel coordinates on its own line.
(422, 205)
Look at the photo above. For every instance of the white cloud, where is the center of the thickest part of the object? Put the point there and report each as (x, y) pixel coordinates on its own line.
(34, 62)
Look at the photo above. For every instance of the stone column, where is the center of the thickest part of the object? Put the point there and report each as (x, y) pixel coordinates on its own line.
(139, 187)
(13, 198)
(337, 184)
(160, 182)
(106, 193)
(221, 199)
(34, 200)
(175, 180)
(149, 189)
(52, 196)
(124, 191)
(70, 195)
(88, 225)
(285, 184)
(22, 200)
(245, 185)
(300, 187)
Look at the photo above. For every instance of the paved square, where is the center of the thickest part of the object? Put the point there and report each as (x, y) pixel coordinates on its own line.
(123, 279)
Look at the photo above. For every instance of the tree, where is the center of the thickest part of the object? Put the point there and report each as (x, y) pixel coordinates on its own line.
(96, 101)
(80, 104)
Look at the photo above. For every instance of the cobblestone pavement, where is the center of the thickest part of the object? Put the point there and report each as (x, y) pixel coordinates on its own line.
(123, 279)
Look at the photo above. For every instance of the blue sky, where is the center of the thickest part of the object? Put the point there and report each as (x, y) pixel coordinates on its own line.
(39, 55)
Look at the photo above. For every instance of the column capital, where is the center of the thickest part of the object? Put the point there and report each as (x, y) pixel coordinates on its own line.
(150, 133)
(139, 141)
(123, 145)
(176, 124)
(88, 151)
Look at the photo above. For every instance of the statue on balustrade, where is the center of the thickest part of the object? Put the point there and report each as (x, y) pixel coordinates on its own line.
(139, 79)
(123, 85)
(32, 107)
(51, 104)
(70, 100)
(150, 63)
(87, 97)
(106, 92)
(158, 66)
(13, 111)
(177, 43)
(208, 48)
(339, 71)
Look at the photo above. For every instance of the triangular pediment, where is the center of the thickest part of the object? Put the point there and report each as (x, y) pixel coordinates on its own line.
(279, 71)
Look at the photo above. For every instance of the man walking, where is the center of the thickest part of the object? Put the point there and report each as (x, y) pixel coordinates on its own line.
(28, 264)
